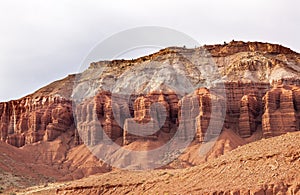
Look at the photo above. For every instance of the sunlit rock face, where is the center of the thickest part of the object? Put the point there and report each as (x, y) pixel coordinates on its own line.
(29, 120)
(255, 84)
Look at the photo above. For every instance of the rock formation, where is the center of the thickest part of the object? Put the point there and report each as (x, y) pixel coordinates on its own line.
(251, 90)
(240, 46)
(248, 112)
(280, 115)
(254, 98)
(28, 120)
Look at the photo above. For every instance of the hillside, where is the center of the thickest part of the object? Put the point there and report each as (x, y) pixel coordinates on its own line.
(268, 166)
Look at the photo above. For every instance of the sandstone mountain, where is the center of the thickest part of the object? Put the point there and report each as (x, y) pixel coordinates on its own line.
(235, 93)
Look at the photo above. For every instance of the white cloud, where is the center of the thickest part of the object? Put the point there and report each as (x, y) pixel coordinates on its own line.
(41, 41)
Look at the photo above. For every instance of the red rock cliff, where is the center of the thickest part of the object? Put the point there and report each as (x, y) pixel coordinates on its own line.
(254, 99)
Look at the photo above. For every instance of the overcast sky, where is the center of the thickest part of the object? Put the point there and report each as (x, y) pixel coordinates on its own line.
(42, 41)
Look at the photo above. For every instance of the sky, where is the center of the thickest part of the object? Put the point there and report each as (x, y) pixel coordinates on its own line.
(42, 41)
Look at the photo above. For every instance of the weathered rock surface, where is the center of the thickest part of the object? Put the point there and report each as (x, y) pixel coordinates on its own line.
(255, 99)
(240, 46)
(261, 96)
(28, 120)
(96, 117)
(280, 114)
(248, 112)
(209, 122)
(143, 125)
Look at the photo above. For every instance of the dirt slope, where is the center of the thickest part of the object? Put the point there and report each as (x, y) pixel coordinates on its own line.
(46, 162)
(268, 166)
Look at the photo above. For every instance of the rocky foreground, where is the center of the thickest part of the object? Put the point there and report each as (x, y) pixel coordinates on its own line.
(268, 166)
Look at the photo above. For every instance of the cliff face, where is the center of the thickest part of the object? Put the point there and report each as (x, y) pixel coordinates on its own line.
(274, 110)
(251, 107)
(28, 120)
(257, 99)
(281, 111)
(240, 46)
